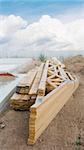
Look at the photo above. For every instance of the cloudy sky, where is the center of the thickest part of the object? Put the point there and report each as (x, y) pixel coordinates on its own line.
(33, 25)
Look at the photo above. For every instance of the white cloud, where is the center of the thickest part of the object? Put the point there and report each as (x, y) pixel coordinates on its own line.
(17, 36)
(10, 25)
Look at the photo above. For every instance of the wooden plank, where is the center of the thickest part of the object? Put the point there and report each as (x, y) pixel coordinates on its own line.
(56, 71)
(15, 96)
(53, 75)
(62, 73)
(45, 109)
(51, 83)
(57, 62)
(38, 101)
(57, 80)
(57, 91)
(21, 102)
(25, 84)
(42, 85)
(69, 75)
(34, 88)
(50, 72)
(45, 122)
(54, 105)
(41, 121)
(48, 110)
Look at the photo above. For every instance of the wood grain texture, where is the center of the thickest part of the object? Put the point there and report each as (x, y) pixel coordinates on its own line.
(34, 88)
(49, 107)
(24, 85)
(44, 91)
(42, 85)
(21, 102)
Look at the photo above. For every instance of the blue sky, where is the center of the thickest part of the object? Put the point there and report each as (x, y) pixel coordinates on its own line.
(34, 9)
(33, 25)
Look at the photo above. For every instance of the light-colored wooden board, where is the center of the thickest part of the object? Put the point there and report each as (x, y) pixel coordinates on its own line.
(47, 112)
(42, 85)
(21, 102)
(25, 84)
(35, 85)
(48, 119)
(51, 83)
(41, 123)
(63, 73)
(55, 61)
(28, 79)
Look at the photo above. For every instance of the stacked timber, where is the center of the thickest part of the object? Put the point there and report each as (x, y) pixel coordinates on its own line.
(25, 84)
(43, 91)
(21, 102)
(27, 89)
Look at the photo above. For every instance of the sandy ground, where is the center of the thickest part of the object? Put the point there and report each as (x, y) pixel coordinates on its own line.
(65, 132)
(27, 67)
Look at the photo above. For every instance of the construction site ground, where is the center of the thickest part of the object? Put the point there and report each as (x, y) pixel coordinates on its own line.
(65, 132)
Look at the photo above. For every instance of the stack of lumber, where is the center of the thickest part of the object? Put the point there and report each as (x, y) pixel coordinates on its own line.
(21, 102)
(60, 85)
(27, 89)
(25, 84)
(43, 91)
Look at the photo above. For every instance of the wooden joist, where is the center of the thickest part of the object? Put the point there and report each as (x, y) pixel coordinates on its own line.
(63, 73)
(57, 62)
(42, 85)
(35, 85)
(51, 83)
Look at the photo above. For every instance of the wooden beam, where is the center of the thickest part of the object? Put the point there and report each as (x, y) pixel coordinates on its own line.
(34, 88)
(57, 62)
(42, 85)
(63, 73)
(57, 80)
(51, 83)
(43, 113)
